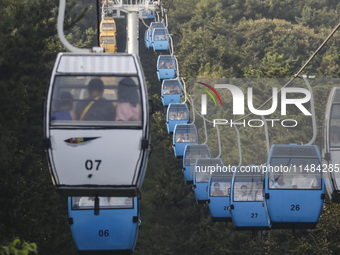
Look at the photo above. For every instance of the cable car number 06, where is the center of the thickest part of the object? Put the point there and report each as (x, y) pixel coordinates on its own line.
(90, 164)
(104, 233)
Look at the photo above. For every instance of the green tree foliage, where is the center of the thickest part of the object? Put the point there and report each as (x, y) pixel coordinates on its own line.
(19, 248)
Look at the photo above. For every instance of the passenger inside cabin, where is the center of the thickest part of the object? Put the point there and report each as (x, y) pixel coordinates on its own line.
(64, 107)
(129, 106)
(166, 90)
(305, 180)
(95, 107)
(184, 115)
(162, 65)
(217, 190)
(258, 196)
(172, 115)
(243, 195)
(280, 182)
(180, 139)
(173, 89)
(178, 117)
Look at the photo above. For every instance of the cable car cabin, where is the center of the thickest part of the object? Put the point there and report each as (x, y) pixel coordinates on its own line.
(219, 194)
(148, 33)
(176, 114)
(108, 25)
(147, 15)
(331, 145)
(202, 170)
(108, 42)
(160, 39)
(113, 230)
(166, 67)
(147, 39)
(171, 91)
(246, 199)
(191, 153)
(294, 190)
(97, 124)
(184, 135)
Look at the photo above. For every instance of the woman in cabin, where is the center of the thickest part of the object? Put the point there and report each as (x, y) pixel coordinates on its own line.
(129, 105)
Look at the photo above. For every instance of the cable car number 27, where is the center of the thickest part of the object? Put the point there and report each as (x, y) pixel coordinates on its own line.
(92, 164)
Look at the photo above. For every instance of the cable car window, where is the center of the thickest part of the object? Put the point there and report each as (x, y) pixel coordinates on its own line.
(202, 174)
(192, 155)
(178, 114)
(96, 100)
(166, 62)
(243, 189)
(334, 132)
(185, 136)
(160, 34)
(107, 39)
(106, 26)
(172, 88)
(297, 173)
(220, 187)
(87, 203)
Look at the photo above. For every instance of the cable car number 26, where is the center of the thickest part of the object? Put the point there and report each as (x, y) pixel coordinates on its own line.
(92, 164)
(295, 207)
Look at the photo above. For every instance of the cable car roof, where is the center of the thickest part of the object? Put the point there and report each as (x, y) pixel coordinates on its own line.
(196, 147)
(209, 162)
(166, 58)
(110, 64)
(187, 127)
(294, 151)
(176, 107)
(175, 82)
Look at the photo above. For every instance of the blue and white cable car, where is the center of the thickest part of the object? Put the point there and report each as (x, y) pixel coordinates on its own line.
(184, 135)
(202, 170)
(148, 33)
(331, 145)
(166, 67)
(148, 15)
(246, 199)
(176, 114)
(191, 153)
(219, 194)
(160, 39)
(294, 187)
(97, 124)
(171, 91)
(113, 230)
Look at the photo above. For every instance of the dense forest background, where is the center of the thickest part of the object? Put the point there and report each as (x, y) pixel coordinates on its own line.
(212, 39)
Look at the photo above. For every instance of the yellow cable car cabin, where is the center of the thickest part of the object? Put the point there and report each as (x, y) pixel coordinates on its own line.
(108, 25)
(108, 42)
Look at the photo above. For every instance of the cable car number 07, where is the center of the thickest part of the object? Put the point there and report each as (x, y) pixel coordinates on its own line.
(90, 164)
